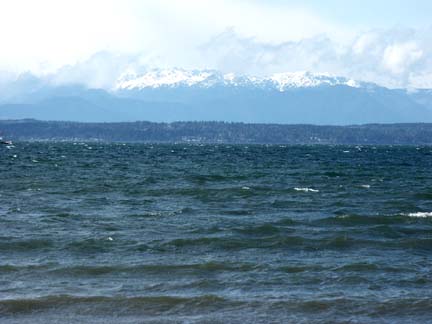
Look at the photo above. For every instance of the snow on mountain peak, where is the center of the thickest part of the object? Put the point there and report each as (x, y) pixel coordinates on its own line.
(209, 78)
(159, 78)
(308, 79)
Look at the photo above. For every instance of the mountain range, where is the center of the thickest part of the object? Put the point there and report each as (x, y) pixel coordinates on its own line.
(208, 95)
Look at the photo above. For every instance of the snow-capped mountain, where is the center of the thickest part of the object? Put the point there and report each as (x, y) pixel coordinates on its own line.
(208, 95)
(211, 78)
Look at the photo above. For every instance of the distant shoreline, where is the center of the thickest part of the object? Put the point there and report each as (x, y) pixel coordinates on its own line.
(217, 132)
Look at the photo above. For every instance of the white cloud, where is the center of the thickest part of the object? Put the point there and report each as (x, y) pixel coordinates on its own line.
(101, 70)
(365, 43)
(43, 35)
(230, 52)
(383, 57)
(93, 41)
(394, 58)
(46, 34)
(399, 57)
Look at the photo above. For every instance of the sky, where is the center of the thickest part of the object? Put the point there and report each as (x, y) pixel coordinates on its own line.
(382, 41)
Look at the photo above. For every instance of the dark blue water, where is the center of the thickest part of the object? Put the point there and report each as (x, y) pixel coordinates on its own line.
(113, 233)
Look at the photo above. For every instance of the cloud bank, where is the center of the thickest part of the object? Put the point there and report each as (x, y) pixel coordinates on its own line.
(394, 58)
(94, 42)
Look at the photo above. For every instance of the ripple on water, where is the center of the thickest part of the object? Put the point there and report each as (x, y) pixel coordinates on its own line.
(214, 233)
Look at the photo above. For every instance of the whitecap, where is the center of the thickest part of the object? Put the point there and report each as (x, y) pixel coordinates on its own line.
(245, 188)
(306, 189)
(420, 214)
(365, 186)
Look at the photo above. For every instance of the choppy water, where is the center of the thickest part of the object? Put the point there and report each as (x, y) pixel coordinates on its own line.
(233, 234)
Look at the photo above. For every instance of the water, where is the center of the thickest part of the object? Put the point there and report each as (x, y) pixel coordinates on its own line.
(134, 233)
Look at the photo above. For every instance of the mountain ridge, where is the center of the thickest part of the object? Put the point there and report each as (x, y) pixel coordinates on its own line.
(208, 95)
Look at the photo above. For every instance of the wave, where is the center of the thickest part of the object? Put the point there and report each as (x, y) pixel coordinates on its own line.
(203, 178)
(265, 229)
(420, 214)
(358, 267)
(26, 245)
(10, 268)
(111, 305)
(95, 270)
(354, 220)
(237, 243)
(306, 189)
(337, 241)
(200, 308)
(301, 268)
